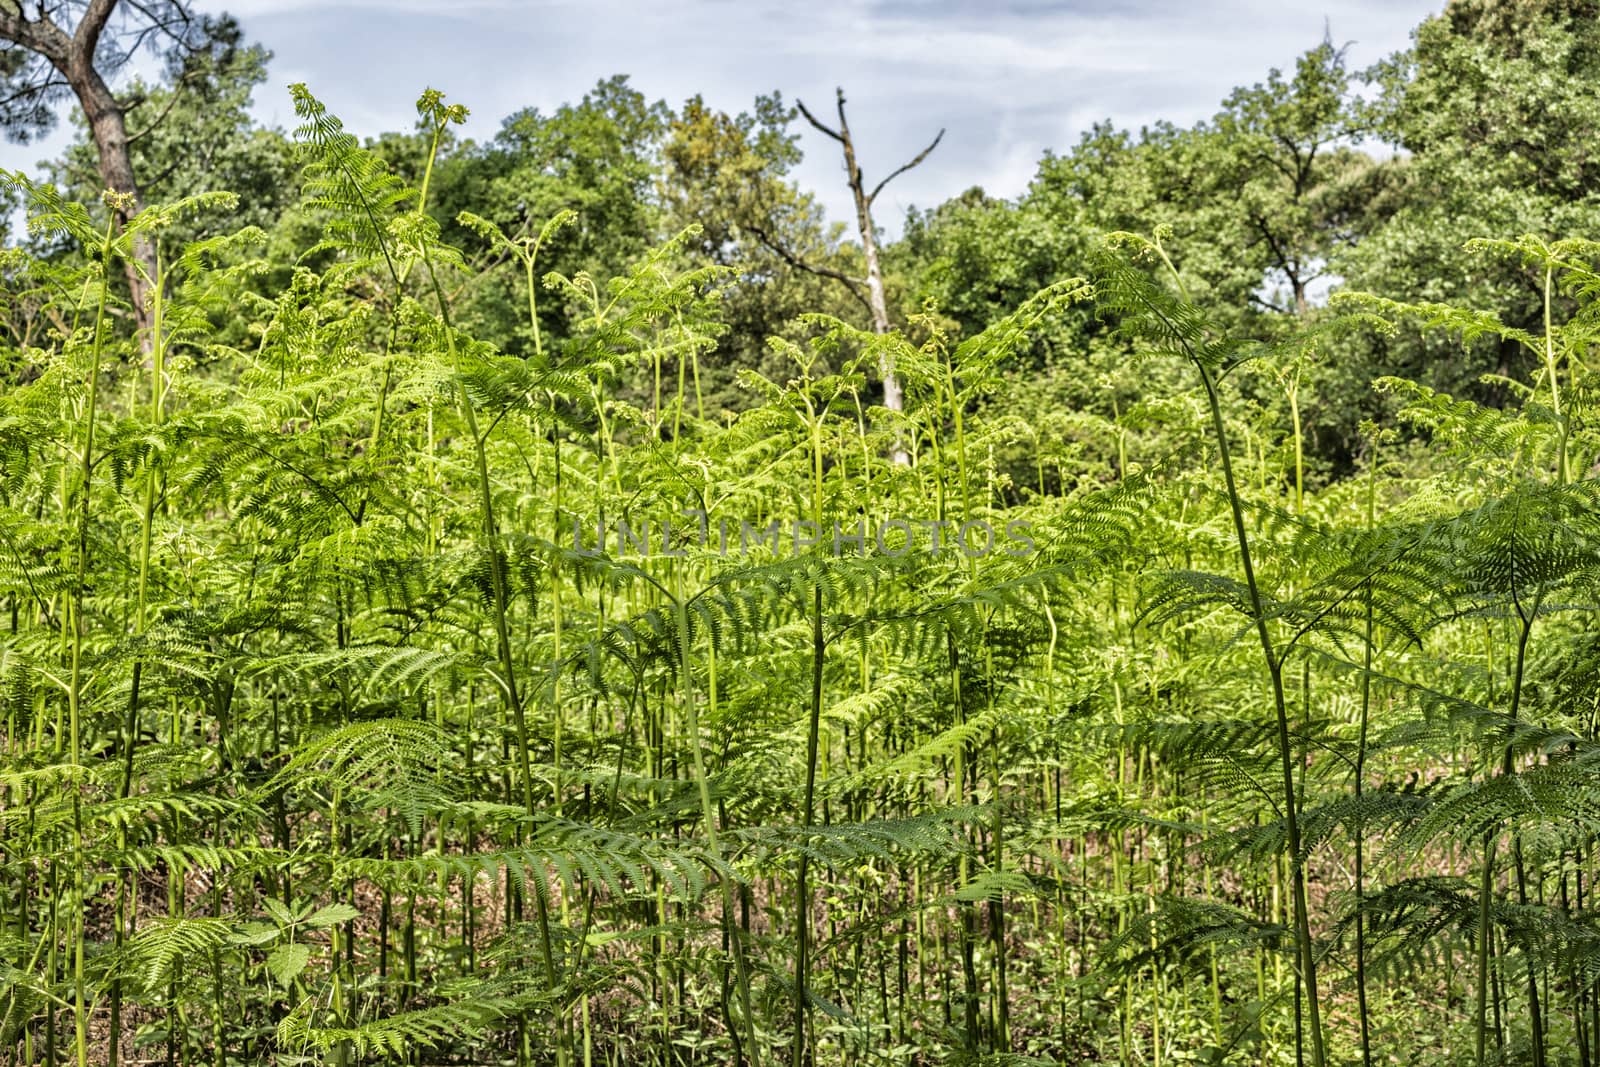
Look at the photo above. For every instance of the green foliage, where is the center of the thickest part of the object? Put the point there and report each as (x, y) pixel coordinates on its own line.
(341, 720)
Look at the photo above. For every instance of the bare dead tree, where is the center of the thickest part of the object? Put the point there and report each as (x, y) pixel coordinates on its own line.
(893, 397)
(53, 50)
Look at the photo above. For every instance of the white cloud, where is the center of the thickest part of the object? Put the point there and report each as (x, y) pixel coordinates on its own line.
(1009, 80)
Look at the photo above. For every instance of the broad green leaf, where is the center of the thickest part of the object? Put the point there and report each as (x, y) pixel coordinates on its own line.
(331, 915)
(287, 961)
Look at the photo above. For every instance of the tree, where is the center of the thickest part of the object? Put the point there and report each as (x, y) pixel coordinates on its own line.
(198, 137)
(728, 175)
(977, 257)
(596, 158)
(1292, 190)
(1500, 93)
(1261, 197)
(1290, 167)
(70, 49)
(1494, 110)
(1158, 177)
(892, 397)
(1265, 202)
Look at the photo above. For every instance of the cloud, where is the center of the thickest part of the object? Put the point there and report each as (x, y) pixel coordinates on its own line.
(1007, 78)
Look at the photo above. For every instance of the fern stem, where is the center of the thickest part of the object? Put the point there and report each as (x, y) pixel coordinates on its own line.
(81, 1005)
(1360, 771)
(1306, 956)
(800, 1053)
(490, 542)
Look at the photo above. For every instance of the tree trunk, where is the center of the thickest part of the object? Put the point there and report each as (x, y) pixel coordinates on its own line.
(110, 132)
(893, 396)
(73, 57)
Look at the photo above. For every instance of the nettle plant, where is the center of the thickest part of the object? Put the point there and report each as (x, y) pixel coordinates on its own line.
(325, 742)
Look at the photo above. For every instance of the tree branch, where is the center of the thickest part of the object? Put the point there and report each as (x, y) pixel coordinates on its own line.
(901, 170)
(181, 20)
(1268, 304)
(835, 134)
(1279, 252)
(54, 81)
(854, 285)
(87, 37)
(172, 101)
(40, 35)
(172, 167)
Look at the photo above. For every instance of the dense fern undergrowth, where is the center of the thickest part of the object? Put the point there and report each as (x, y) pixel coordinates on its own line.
(371, 696)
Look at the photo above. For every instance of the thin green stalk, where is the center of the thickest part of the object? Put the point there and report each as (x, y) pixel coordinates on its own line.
(489, 540)
(1362, 1010)
(81, 1005)
(1305, 949)
(1305, 953)
(802, 1005)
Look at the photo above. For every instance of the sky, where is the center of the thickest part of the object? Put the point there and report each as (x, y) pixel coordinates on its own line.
(1007, 79)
